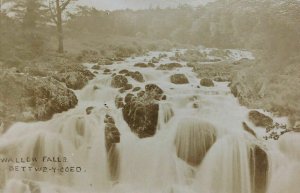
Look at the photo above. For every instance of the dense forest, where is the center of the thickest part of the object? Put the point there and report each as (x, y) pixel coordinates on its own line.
(270, 29)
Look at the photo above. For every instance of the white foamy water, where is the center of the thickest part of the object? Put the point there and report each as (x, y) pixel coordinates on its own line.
(151, 164)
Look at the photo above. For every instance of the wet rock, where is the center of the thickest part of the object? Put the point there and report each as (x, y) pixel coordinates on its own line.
(106, 70)
(179, 79)
(149, 88)
(124, 71)
(89, 110)
(164, 97)
(141, 118)
(137, 76)
(114, 74)
(151, 65)
(96, 72)
(109, 120)
(128, 98)
(112, 134)
(122, 90)
(206, 82)
(193, 140)
(119, 81)
(260, 119)
(141, 65)
(112, 137)
(141, 93)
(221, 79)
(259, 168)
(76, 79)
(119, 102)
(128, 86)
(135, 89)
(96, 67)
(169, 66)
(27, 98)
(248, 129)
(95, 87)
(141, 114)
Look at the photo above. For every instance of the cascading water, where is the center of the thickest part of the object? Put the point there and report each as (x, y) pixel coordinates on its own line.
(199, 146)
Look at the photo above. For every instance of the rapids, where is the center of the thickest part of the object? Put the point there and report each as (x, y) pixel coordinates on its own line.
(151, 164)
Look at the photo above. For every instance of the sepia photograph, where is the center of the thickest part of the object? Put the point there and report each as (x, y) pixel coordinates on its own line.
(149, 96)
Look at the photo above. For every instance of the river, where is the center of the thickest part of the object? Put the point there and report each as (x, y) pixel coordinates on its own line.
(151, 164)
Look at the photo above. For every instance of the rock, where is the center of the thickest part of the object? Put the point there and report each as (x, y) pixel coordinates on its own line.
(141, 65)
(141, 117)
(259, 119)
(154, 60)
(141, 93)
(128, 98)
(89, 110)
(114, 74)
(164, 97)
(149, 88)
(128, 86)
(137, 76)
(124, 71)
(122, 90)
(109, 120)
(259, 168)
(179, 79)
(112, 135)
(221, 79)
(248, 129)
(26, 98)
(119, 102)
(169, 66)
(119, 81)
(106, 70)
(75, 79)
(135, 89)
(151, 65)
(206, 82)
(95, 87)
(193, 140)
(96, 67)
(95, 72)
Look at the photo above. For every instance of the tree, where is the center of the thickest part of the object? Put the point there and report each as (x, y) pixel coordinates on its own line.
(30, 13)
(57, 7)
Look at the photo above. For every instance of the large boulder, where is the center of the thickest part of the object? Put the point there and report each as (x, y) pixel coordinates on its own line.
(259, 168)
(75, 77)
(193, 139)
(141, 114)
(206, 82)
(179, 79)
(26, 98)
(260, 119)
(119, 81)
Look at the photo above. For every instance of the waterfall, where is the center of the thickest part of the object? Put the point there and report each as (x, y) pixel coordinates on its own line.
(199, 147)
